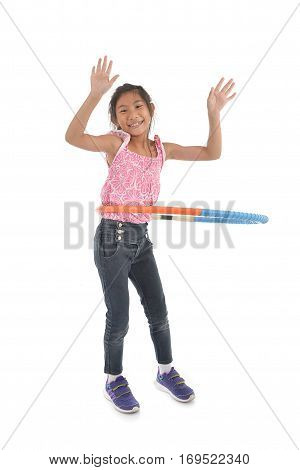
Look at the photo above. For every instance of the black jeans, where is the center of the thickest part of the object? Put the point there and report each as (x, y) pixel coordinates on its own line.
(123, 250)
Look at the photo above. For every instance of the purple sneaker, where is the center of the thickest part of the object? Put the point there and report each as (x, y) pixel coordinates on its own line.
(119, 393)
(172, 383)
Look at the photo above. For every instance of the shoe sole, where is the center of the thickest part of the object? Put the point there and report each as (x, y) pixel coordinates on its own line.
(133, 410)
(165, 389)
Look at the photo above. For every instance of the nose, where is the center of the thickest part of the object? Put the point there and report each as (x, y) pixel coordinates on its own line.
(133, 117)
(133, 114)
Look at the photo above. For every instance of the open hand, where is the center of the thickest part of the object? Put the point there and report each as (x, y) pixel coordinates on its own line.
(218, 98)
(100, 82)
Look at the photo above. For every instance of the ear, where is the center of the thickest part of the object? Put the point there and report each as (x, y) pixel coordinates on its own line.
(152, 107)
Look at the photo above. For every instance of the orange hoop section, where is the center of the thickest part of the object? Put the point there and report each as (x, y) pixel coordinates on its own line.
(151, 210)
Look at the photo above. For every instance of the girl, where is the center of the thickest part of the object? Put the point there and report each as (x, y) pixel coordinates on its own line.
(122, 248)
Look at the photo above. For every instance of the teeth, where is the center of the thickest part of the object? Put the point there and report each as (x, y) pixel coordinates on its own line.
(136, 125)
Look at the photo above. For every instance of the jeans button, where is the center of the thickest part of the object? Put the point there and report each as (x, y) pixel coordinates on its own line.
(119, 237)
(119, 224)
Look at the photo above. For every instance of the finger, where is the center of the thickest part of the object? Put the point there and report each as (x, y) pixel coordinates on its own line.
(230, 97)
(219, 84)
(109, 67)
(104, 64)
(230, 88)
(93, 70)
(99, 65)
(225, 87)
(112, 81)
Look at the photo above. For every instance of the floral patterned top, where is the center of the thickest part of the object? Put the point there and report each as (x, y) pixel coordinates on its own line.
(132, 179)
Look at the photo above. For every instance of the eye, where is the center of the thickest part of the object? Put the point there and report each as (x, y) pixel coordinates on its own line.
(139, 106)
(123, 111)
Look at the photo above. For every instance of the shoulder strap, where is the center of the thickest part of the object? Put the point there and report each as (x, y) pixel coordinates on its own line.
(162, 149)
(123, 135)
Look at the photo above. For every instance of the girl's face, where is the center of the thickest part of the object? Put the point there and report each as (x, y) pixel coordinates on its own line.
(133, 114)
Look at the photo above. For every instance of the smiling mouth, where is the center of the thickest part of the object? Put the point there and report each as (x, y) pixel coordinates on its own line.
(134, 126)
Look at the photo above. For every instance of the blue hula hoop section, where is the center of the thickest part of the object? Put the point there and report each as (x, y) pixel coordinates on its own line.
(230, 217)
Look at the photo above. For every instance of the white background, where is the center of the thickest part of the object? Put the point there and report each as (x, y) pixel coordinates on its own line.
(233, 312)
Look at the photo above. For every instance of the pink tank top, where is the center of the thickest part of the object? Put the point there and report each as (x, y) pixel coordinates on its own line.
(132, 180)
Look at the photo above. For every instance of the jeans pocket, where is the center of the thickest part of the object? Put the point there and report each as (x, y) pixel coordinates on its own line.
(109, 246)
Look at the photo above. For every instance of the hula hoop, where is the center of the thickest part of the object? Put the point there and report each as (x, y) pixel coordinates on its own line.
(189, 214)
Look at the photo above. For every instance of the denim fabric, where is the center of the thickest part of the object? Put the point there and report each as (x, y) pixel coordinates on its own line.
(122, 251)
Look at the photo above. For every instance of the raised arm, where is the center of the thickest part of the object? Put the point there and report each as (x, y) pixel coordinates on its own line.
(215, 102)
(75, 134)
